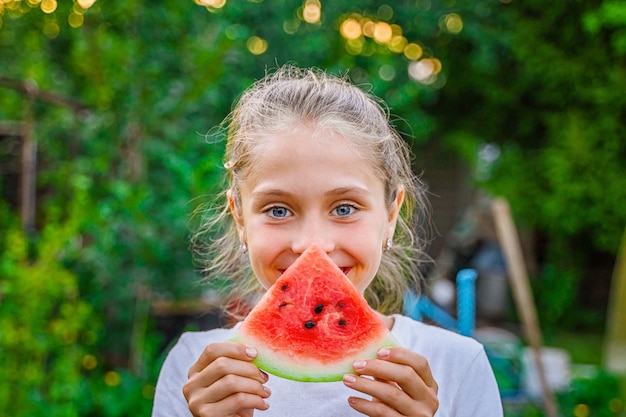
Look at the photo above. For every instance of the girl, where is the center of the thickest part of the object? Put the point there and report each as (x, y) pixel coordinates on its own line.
(312, 158)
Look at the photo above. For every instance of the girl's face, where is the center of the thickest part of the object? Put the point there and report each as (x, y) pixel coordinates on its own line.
(302, 189)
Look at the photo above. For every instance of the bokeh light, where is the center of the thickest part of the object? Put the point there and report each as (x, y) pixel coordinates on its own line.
(211, 4)
(425, 70)
(75, 20)
(397, 44)
(581, 410)
(235, 31)
(413, 51)
(387, 72)
(368, 27)
(350, 29)
(382, 32)
(312, 11)
(85, 4)
(256, 45)
(51, 29)
(112, 379)
(89, 362)
(355, 46)
(616, 405)
(385, 12)
(291, 26)
(48, 6)
(452, 23)
(355, 29)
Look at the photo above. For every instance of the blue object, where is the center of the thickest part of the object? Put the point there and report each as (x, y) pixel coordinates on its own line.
(420, 306)
(466, 301)
(506, 363)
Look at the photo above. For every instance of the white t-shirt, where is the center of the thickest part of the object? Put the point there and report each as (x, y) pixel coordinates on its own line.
(467, 387)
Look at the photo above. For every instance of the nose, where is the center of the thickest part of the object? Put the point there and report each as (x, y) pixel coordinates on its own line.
(313, 231)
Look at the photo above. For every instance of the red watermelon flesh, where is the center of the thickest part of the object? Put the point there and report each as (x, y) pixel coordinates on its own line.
(312, 324)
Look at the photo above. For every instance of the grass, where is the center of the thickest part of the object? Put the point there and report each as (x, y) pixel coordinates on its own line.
(583, 348)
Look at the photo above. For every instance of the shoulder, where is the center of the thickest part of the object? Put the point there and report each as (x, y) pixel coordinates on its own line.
(424, 337)
(449, 354)
(197, 341)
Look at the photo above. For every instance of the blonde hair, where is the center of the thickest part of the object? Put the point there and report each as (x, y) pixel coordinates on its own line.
(283, 99)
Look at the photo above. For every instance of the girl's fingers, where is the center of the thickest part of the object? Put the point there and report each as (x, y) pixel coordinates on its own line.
(390, 395)
(220, 359)
(223, 367)
(416, 362)
(402, 381)
(224, 381)
(372, 408)
(229, 384)
(232, 405)
(224, 349)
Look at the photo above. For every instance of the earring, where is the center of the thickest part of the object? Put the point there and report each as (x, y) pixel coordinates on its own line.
(388, 244)
(243, 247)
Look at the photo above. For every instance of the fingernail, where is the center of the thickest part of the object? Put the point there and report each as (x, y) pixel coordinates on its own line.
(265, 376)
(359, 364)
(349, 379)
(383, 353)
(251, 352)
(267, 391)
(267, 405)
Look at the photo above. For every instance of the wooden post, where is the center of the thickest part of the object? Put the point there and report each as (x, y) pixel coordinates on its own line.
(615, 341)
(518, 276)
(28, 177)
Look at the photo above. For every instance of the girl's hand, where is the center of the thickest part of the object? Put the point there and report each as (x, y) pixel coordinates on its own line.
(403, 385)
(224, 382)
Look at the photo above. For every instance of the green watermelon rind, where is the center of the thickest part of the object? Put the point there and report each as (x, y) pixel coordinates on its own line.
(277, 362)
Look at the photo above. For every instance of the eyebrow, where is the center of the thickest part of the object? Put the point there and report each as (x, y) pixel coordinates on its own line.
(348, 190)
(270, 192)
(277, 192)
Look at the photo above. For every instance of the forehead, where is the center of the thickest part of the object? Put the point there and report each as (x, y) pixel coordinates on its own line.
(306, 154)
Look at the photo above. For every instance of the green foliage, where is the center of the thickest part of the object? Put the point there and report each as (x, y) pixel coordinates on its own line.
(45, 327)
(594, 397)
(557, 289)
(557, 123)
(115, 394)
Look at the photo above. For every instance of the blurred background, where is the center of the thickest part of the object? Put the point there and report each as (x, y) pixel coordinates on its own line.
(108, 145)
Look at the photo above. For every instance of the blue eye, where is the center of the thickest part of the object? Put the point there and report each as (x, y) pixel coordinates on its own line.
(344, 210)
(278, 212)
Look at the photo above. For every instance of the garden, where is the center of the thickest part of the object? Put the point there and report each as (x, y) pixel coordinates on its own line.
(110, 145)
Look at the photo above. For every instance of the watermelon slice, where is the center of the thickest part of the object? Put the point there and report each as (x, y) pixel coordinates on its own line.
(312, 324)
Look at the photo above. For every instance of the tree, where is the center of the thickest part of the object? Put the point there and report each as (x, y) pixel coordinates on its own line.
(551, 102)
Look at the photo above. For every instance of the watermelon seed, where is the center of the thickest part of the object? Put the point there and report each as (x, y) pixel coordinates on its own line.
(342, 322)
(309, 324)
(284, 287)
(319, 308)
(283, 304)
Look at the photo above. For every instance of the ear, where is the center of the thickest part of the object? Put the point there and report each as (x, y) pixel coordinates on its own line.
(236, 213)
(394, 211)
